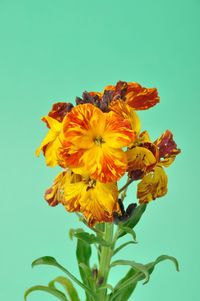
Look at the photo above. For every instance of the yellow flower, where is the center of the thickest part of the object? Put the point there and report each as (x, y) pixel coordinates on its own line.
(52, 141)
(145, 161)
(94, 139)
(78, 191)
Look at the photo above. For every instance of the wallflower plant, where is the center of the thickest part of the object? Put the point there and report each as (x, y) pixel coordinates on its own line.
(96, 143)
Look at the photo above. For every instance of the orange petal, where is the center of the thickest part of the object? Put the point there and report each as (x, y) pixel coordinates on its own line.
(118, 132)
(141, 98)
(126, 112)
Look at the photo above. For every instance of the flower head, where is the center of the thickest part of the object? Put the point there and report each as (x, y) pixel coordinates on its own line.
(78, 191)
(145, 161)
(94, 139)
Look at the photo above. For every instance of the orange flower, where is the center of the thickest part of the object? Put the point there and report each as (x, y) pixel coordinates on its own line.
(95, 140)
(145, 160)
(78, 191)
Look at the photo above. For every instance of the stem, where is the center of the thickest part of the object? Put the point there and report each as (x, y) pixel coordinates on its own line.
(105, 258)
(126, 185)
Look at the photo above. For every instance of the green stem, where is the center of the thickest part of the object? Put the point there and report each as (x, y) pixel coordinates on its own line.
(105, 258)
(126, 185)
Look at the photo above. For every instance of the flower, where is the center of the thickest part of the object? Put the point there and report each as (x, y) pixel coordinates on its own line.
(78, 191)
(146, 161)
(94, 140)
(52, 141)
(153, 185)
(136, 96)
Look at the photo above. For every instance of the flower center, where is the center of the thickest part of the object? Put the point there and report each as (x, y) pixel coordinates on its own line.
(99, 140)
(91, 184)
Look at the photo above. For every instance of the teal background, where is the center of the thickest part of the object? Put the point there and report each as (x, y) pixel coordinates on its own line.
(54, 50)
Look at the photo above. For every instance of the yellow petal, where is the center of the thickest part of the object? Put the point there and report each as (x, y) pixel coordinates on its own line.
(152, 186)
(140, 158)
(126, 112)
(52, 141)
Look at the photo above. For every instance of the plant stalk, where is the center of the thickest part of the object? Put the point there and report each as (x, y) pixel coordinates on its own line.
(105, 258)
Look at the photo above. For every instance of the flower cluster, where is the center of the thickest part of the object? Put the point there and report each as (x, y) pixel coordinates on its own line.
(96, 143)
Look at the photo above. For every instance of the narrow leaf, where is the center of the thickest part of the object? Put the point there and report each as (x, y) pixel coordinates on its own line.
(123, 294)
(137, 266)
(123, 246)
(134, 219)
(91, 238)
(47, 260)
(127, 230)
(68, 286)
(46, 289)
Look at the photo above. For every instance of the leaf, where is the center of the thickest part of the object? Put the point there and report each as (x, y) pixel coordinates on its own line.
(137, 266)
(47, 260)
(106, 286)
(134, 219)
(123, 294)
(73, 231)
(46, 289)
(127, 230)
(133, 276)
(123, 246)
(91, 238)
(68, 286)
(166, 257)
(83, 254)
(88, 273)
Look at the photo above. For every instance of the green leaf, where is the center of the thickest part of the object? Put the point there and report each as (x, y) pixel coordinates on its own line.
(127, 230)
(68, 286)
(137, 266)
(83, 254)
(46, 289)
(166, 257)
(47, 260)
(134, 219)
(123, 294)
(123, 246)
(72, 232)
(91, 239)
(129, 282)
(106, 286)
(88, 273)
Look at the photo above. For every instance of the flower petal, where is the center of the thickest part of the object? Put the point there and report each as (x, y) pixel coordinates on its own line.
(152, 186)
(98, 203)
(52, 142)
(83, 124)
(118, 132)
(105, 164)
(126, 112)
(141, 98)
(167, 148)
(140, 158)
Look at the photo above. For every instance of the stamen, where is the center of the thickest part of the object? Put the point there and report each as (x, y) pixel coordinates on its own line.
(99, 140)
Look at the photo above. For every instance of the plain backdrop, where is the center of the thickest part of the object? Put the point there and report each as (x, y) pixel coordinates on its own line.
(53, 51)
